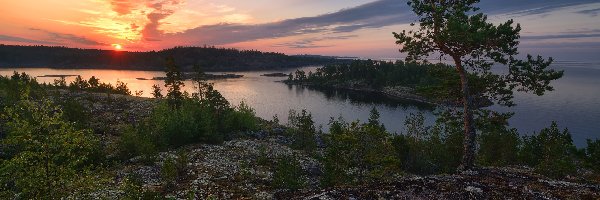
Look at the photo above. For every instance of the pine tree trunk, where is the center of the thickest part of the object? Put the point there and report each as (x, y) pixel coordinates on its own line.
(469, 137)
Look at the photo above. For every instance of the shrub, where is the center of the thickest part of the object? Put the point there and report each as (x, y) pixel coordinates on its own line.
(429, 150)
(134, 142)
(498, 144)
(358, 153)
(48, 155)
(592, 155)
(12, 89)
(79, 84)
(157, 92)
(168, 173)
(73, 111)
(302, 130)
(499, 148)
(121, 88)
(263, 159)
(288, 174)
(241, 118)
(550, 152)
(195, 121)
(133, 189)
(174, 169)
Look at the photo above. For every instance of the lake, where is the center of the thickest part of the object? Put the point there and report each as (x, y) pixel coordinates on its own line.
(575, 103)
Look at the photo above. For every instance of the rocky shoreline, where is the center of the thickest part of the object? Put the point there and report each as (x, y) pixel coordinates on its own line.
(394, 92)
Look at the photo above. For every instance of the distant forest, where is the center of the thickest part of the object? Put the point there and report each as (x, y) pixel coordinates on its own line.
(210, 58)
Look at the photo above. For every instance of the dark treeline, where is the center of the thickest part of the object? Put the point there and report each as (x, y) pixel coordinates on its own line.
(370, 73)
(210, 58)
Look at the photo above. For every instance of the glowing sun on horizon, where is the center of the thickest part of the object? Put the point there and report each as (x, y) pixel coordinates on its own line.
(117, 46)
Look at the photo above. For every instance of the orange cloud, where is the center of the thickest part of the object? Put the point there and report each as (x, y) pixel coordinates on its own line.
(123, 7)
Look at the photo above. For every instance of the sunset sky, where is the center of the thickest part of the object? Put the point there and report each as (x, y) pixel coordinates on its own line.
(565, 29)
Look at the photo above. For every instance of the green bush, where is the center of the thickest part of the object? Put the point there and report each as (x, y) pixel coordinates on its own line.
(499, 148)
(302, 130)
(174, 170)
(79, 84)
(263, 159)
(430, 150)
(498, 144)
(551, 152)
(288, 174)
(358, 153)
(168, 173)
(74, 111)
(592, 155)
(195, 121)
(133, 189)
(241, 118)
(134, 142)
(13, 88)
(192, 123)
(48, 155)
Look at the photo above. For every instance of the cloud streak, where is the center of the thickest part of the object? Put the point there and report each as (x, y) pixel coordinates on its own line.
(8, 38)
(561, 36)
(372, 15)
(378, 14)
(591, 12)
(67, 38)
(310, 42)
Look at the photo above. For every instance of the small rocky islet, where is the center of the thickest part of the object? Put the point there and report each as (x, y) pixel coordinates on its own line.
(203, 76)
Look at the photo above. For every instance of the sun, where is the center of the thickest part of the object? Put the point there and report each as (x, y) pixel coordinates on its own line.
(117, 46)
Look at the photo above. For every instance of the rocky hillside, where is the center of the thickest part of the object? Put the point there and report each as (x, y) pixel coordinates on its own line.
(486, 183)
(245, 167)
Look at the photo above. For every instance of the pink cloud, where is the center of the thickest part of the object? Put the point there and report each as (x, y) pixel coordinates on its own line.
(161, 11)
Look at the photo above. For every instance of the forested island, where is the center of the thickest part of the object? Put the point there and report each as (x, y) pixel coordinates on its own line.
(210, 58)
(428, 83)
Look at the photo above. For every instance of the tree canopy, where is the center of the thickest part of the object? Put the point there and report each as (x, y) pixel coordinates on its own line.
(453, 29)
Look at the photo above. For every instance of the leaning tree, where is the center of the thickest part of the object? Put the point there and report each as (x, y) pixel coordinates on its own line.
(454, 30)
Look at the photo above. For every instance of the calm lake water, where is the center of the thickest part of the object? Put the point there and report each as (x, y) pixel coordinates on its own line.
(574, 104)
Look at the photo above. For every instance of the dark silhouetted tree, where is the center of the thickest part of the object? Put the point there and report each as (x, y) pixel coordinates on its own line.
(453, 29)
(174, 83)
(157, 92)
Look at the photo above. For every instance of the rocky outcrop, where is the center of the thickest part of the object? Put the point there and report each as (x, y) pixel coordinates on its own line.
(487, 183)
(237, 169)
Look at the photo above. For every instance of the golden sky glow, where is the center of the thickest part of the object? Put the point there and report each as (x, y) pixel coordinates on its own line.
(330, 27)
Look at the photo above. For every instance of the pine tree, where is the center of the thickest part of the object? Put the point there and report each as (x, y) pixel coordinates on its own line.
(174, 84)
(454, 30)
